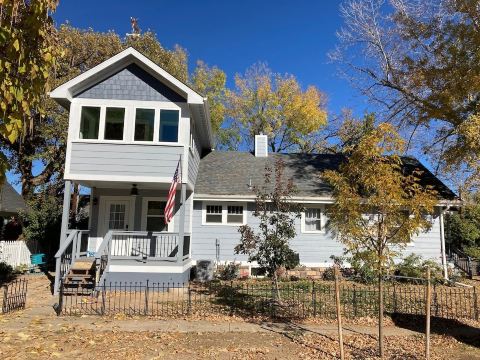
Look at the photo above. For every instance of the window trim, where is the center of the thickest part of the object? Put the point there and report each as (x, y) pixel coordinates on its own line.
(156, 122)
(224, 206)
(145, 200)
(130, 107)
(323, 219)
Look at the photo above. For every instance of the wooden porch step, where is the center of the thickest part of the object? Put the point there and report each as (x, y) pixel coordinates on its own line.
(83, 264)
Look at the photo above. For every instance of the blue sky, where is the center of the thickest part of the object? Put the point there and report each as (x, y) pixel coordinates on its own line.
(291, 37)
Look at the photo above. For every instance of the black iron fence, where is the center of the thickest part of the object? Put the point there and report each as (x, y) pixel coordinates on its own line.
(14, 295)
(292, 300)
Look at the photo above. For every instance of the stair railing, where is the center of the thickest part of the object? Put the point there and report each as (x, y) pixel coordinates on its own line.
(102, 257)
(462, 261)
(65, 257)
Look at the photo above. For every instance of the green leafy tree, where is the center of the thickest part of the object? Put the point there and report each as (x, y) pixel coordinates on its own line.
(27, 55)
(463, 227)
(276, 105)
(378, 207)
(269, 246)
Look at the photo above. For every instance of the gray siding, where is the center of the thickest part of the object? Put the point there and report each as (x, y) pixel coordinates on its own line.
(193, 164)
(124, 159)
(131, 83)
(312, 248)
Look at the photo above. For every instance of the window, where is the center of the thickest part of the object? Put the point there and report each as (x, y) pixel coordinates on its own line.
(114, 122)
(313, 219)
(117, 216)
(214, 214)
(156, 216)
(89, 123)
(235, 214)
(224, 214)
(169, 125)
(144, 124)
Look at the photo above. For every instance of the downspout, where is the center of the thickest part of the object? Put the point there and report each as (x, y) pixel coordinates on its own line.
(442, 242)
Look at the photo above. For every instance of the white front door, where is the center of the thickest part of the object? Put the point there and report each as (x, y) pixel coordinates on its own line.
(117, 215)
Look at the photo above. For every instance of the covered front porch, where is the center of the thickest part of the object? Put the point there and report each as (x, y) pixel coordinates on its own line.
(127, 239)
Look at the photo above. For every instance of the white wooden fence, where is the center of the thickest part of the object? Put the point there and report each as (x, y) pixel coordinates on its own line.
(14, 253)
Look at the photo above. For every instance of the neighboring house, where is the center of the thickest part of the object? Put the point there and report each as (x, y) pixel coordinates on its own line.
(130, 124)
(11, 203)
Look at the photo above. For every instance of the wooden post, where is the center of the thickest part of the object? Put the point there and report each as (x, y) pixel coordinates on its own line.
(427, 312)
(339, 313)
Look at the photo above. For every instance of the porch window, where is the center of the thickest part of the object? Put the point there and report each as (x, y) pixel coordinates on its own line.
(214, 214)
(117, 216)
(169, 125)
(114, 123)
(313, 219)
(89, 123)
(235, 214)
(156, 216)
(144, 123)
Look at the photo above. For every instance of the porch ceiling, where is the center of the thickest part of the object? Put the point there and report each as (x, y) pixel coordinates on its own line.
(123, 185)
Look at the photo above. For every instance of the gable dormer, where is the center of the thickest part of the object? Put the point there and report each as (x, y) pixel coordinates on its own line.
(129, 105)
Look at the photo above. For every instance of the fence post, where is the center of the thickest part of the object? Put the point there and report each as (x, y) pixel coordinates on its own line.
(339, 313)
(231, 298)
(189, 307)
(427, 312)
(4, 302)
(354, 300)
(103, 297)
(314, 299)
(146, 299)
(394, 296)
(60, 298)
(475, 303)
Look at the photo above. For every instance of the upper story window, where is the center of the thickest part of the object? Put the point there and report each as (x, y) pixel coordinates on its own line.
(213, 214)
(144, 124)
(169, 125)
(235, 214)
(89, 122)
(114, 123)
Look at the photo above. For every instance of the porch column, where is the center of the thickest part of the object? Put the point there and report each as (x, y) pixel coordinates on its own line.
(442, 243)
(67, 194)
(63, 231)
(181, 226)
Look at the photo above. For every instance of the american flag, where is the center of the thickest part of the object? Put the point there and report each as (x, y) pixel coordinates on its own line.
(171, 196)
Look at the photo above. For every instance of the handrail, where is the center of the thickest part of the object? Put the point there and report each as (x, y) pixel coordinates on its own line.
(66, 243)
(104, 244)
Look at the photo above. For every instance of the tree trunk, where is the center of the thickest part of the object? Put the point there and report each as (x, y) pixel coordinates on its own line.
(380, 315)
(277, 290)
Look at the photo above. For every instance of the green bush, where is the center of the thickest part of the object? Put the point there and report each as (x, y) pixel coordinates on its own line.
(414, 266)
(6, 270)
(229, 271)
(472, 251)
(362, 265)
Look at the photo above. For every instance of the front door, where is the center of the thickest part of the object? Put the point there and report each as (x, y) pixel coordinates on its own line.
(117, 215)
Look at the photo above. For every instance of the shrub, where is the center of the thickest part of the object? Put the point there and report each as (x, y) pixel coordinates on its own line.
(6, 271)
(361, 265)
(414, 266)
(472, 251)
(229, 271)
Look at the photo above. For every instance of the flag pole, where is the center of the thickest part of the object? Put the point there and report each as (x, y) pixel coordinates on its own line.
(181, 226)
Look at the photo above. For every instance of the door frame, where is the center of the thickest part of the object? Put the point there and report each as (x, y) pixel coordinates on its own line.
(103, 212)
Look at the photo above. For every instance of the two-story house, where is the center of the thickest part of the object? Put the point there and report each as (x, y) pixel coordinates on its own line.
(131, 124)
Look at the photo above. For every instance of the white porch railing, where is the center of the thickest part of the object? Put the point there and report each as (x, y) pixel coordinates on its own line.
(15, 253)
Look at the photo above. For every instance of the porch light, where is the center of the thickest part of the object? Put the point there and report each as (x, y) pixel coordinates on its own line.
(134, 190)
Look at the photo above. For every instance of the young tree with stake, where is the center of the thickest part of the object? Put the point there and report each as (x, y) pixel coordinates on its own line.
(269, 246)
(379, 205)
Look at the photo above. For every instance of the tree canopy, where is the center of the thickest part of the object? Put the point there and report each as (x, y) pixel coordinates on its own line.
(419, 63)
(276, 105)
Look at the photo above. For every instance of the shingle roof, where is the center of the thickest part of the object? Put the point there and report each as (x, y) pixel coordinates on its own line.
(10, 200)
(230, 173)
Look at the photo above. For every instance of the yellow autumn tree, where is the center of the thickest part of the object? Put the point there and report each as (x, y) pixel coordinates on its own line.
(276, 105)
(28, 52)
(379, 202)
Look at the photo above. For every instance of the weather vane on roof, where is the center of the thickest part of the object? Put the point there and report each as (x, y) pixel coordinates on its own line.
(135, 27)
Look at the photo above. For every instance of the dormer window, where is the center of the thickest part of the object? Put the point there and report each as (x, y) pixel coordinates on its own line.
(114, 123)
(144, 124)
(90, 122)
(169, 125)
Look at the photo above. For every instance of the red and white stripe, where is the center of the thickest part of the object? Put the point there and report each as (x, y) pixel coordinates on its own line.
(171, 196)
